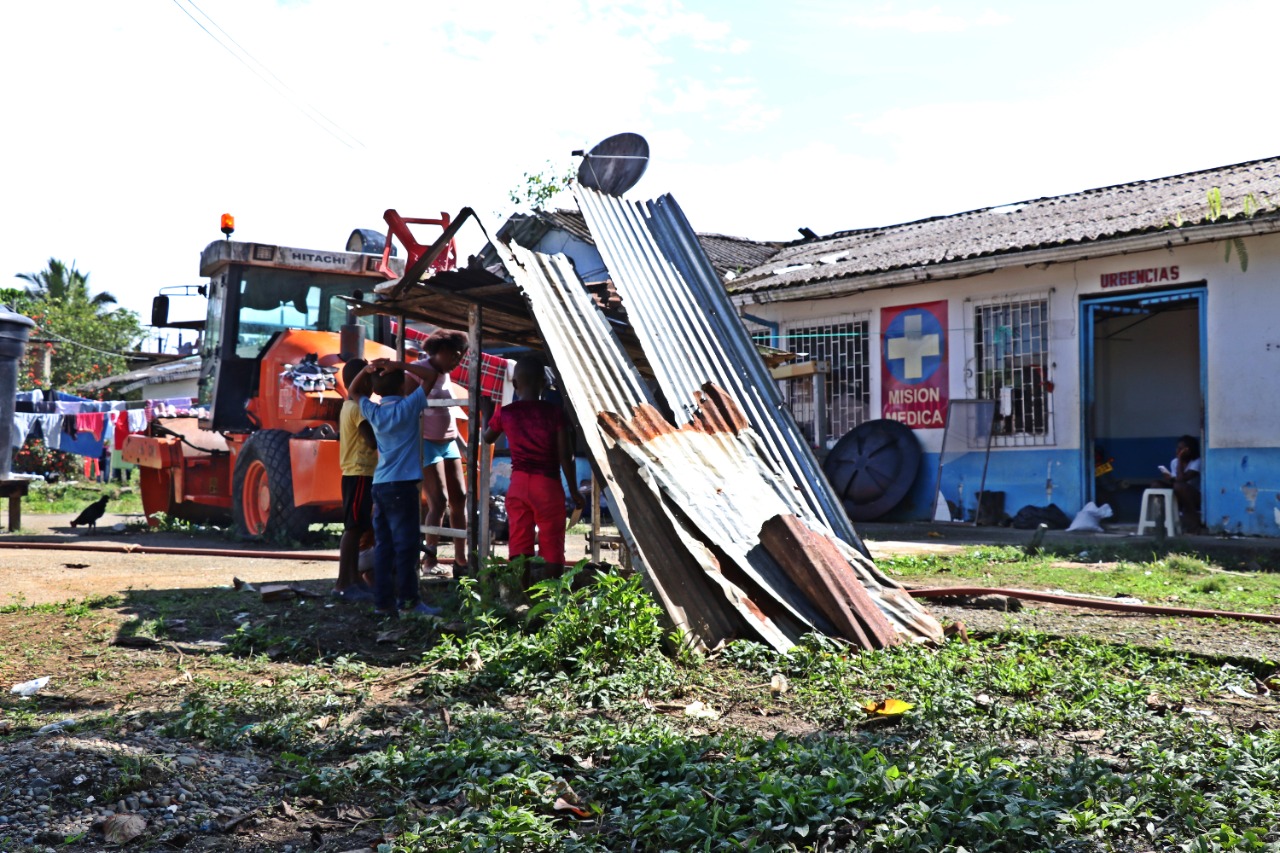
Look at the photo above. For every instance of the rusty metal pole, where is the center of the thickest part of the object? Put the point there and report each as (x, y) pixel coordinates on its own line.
(475, 433)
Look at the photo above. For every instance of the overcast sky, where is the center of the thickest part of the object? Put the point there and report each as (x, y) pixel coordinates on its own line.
(129, 129)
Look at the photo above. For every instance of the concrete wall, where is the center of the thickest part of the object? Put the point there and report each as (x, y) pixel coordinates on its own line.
(1242, 370)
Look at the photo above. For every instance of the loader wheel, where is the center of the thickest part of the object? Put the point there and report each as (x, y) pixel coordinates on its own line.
(262, 490)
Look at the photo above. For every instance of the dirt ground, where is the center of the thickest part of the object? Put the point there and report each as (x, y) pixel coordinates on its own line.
(178, 616)
(56, 575)
(39, 574)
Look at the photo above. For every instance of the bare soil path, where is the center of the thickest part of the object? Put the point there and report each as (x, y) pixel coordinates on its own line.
(39, 575)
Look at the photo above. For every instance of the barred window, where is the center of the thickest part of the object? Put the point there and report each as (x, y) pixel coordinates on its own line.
(1011, 352)
(843, 343)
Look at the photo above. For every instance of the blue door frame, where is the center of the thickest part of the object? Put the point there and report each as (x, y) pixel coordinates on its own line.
(1088, 316)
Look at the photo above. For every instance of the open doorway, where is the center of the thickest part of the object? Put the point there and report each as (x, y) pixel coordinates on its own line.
(1144, 377)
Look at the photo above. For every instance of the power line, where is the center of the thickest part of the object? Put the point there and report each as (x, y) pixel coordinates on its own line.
(306, 110)
(55, 336)
(256, 61)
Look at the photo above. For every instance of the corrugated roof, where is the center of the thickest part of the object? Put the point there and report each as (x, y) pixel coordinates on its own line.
(728, 255)
(174, 370)
(1083, 218)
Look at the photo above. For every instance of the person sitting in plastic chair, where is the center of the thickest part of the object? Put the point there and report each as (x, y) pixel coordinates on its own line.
(1183, 476)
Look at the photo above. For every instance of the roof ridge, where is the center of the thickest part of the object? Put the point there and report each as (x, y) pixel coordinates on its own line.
(835, 235)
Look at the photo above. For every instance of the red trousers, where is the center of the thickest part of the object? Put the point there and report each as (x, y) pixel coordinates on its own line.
(536, 501)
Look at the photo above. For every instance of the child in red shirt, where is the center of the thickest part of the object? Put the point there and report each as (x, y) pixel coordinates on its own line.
(541, 446)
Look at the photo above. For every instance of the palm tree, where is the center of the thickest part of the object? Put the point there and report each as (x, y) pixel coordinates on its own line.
(61, 283)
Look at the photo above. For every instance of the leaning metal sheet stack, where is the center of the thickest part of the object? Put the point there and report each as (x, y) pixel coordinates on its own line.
(692, 335)
(690, 499)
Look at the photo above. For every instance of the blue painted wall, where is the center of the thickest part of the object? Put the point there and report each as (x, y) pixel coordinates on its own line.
(1241, 494)
(1021, 474)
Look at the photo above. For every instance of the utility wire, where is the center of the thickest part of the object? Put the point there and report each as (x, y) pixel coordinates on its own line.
(291, 90)
(55, 336)
(258, 74)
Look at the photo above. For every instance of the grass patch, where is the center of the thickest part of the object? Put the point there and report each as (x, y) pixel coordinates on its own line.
(989, 759)
(71, 497)
(1174, 579)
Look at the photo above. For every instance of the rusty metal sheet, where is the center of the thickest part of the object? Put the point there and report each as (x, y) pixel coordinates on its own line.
(692, 335)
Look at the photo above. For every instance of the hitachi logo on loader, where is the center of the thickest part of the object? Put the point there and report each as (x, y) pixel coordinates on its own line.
(316, 258)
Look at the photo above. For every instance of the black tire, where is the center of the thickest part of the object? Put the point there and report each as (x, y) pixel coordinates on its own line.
(266, 455)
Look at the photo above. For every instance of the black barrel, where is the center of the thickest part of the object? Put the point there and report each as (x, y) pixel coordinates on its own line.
(14, 331)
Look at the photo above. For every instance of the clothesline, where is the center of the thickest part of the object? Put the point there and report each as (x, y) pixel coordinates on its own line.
(88, 427)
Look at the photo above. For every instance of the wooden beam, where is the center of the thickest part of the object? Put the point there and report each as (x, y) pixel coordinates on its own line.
(475, 431)
(799, 371)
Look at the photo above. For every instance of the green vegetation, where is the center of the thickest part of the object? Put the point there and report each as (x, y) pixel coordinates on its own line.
(1174, 580)
(567, 731)
(581, 723)
(89, 335)
(71, 497)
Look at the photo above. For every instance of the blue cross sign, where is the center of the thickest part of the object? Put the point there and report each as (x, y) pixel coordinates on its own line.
(913, 346)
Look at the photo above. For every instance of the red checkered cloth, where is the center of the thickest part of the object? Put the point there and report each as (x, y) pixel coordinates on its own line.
(493, 369)
(493, 374)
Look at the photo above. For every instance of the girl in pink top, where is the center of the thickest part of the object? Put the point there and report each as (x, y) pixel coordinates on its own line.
(443, 480)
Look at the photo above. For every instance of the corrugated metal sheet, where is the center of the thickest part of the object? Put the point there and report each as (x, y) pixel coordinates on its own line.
(728, 254)
(691, 501)
(692, 335)
(596, 376)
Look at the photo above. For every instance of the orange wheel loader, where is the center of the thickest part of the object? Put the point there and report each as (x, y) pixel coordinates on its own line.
(263, 453)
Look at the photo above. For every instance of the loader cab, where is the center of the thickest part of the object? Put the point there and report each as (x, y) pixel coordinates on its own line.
(256, 292)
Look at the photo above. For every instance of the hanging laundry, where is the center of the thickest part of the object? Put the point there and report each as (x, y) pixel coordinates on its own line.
(138, 419)
(90, 422)
(22, 425)
(51, 430)
(120, 428)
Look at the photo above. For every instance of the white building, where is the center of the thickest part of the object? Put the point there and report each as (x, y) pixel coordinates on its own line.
(1105, 323)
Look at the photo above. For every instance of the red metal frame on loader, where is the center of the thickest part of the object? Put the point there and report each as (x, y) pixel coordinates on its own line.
(398, 227)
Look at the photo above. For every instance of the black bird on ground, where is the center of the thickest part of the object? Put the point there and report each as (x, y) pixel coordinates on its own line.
(94, 511)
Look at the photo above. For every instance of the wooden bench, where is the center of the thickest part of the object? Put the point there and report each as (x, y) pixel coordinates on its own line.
(15, 491)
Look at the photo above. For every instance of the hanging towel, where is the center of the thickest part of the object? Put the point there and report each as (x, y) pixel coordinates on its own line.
(90, 422)
(22, 426)
(51, 430)
(138, 419)
(120, 428)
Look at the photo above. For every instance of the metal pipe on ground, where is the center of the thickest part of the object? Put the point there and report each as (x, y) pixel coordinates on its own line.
(1096, 604)
(158, 549)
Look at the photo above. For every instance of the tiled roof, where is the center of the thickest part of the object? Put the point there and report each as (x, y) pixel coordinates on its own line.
(1247, 189)
(727, 254)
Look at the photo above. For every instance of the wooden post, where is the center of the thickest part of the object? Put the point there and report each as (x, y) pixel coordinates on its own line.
(595, 518)
(475, 433)
(402, 335)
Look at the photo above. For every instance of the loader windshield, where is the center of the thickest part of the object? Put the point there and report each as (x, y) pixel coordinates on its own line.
(273, 300)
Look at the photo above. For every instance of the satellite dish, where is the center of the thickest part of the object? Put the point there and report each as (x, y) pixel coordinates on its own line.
(368, 242)
(873, 467)
(615, 165)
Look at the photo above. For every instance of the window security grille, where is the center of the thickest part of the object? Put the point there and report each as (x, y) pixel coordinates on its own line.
(844, 345)
(1011, 354)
